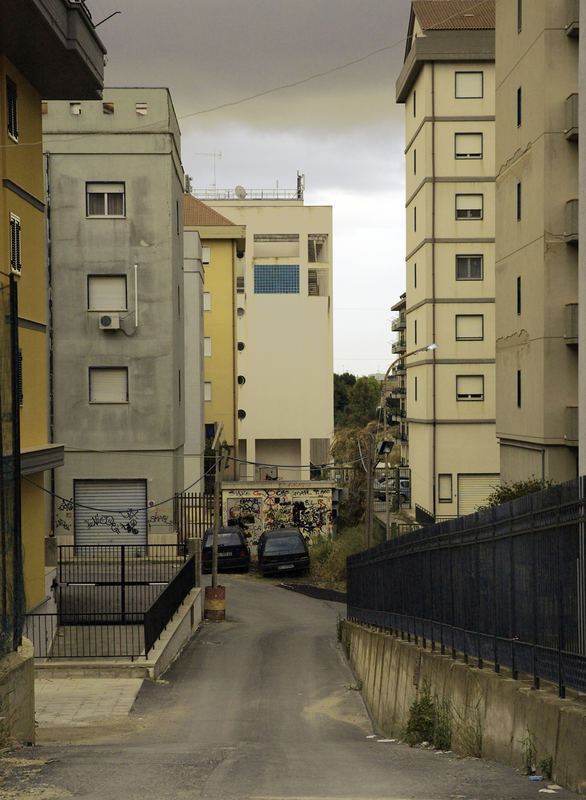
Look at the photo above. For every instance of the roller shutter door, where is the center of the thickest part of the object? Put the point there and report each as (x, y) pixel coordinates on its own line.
(473, 491)
(110, 512)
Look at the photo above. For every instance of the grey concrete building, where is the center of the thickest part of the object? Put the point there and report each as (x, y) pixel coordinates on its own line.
(115, 220)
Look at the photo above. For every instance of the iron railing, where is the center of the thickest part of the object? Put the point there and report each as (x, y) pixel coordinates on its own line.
(505, 585)
(193, 514)
(88, 635)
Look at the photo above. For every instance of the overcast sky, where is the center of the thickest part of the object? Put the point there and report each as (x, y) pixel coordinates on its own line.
(343, 130)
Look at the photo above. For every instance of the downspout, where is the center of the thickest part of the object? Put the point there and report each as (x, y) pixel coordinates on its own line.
(433, 321)
(235, 463)
(50, 326)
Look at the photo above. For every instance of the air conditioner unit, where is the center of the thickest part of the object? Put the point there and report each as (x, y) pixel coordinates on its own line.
(110, 322)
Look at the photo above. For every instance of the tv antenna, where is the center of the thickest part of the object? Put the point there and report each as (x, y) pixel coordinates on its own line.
(215, 157)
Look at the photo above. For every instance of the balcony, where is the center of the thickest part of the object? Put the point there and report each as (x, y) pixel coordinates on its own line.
(399, 346)
(571, 129)
(571, 231)
(399, 323)
(573, 17)
(398, 414)
(571, 427)
(398, 391)
(571, 323)
(402, 437)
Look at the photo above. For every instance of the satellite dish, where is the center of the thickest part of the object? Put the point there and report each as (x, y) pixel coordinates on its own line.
(240, 192)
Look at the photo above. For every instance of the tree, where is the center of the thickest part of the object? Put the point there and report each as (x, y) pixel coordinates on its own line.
(342, 385)
(510, 491)
(363, 401)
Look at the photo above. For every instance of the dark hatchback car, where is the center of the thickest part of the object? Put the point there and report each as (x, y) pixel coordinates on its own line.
(283, 550)
(233, 552)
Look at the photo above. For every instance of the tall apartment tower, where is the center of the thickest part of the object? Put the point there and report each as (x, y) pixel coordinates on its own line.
(115, 205)
(447, 87)
(537, 238)
(284, 332)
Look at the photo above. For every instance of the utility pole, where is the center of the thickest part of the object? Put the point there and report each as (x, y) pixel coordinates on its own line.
(217, 494)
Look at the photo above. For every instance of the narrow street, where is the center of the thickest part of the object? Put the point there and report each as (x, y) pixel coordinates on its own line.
(261, 707)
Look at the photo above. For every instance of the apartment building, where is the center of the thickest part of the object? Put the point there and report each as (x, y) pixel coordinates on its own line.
(284, 332)
(537, 237)
(447, 87)
(223, 243)
(115, 206)
(60, 55)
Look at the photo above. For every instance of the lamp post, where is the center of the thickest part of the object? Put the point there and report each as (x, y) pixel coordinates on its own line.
(384, 408)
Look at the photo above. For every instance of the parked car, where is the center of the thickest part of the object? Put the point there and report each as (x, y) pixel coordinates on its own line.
(233, 551)
(404, 489)
(283, 550)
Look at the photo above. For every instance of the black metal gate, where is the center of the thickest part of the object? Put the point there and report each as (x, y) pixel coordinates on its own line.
(113, 584)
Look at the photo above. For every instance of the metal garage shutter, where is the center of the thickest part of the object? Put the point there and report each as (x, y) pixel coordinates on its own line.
(110, 512)
(473, 491)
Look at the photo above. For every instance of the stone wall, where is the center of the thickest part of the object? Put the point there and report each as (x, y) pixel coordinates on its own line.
(17, 696)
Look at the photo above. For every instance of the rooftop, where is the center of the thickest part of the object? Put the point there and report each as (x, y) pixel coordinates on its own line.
(197, 213)
(451, 15)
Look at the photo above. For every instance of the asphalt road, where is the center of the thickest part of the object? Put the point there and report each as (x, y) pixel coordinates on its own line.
(260, 707)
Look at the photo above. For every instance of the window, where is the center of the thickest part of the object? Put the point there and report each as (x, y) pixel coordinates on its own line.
(415, 162)
(19, 392)
(415, 275)
(179, 385)
(519, 16)
(415, 331)
(518, 295)
(317, 250)
(518, 201)
(207, 391)
(518, 388)
(469, 327)
(105, 200)
(106, 293)
(276, 279)
(207, 346)
(75, 109)
(207, 301)
(15, 262)
(108, 385)
(469, 268)
(415, 218)
(107, 108)
(11, 109)
(415, 389)
(469, 387)
(141, 109)
(205, 255)
(468, 145)
(414, 103)
(519, 106)
(469, 84)
(444, 488)
(469, 206)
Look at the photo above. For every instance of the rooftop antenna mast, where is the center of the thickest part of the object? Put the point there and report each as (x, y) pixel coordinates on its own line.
(215, 156)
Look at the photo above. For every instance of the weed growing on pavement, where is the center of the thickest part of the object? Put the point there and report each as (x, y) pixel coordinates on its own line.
(328, 556)
(528, 752)
(468, 730)
(545, 766)
(430, 720)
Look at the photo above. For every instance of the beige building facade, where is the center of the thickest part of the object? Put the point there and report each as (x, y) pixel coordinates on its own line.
(284, 333)
(537, 238)
(447, 87)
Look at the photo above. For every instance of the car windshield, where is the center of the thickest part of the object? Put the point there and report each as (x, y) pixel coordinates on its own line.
(230, 539)
(284, 544)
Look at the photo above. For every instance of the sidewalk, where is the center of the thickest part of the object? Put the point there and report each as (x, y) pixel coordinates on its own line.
(80, 702)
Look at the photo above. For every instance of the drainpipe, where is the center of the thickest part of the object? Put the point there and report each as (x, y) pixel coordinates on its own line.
(50, 326)
(235, 464)
(433, 321)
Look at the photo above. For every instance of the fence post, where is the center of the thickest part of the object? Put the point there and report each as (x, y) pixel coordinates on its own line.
(123, 582)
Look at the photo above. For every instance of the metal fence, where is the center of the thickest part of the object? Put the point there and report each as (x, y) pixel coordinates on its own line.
(12, 601)
(193, 514)
(86, 635)
(505, 585)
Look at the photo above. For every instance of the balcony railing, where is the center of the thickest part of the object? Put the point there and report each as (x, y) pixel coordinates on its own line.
(572, 124)
(571, 323)
(398, 391)
(399, 346)
(399, 323)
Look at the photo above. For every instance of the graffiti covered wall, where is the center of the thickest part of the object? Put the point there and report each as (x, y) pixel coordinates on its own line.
(304, 505)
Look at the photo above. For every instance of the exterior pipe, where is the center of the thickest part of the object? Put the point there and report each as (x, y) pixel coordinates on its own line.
(136, 295)
(433, 299)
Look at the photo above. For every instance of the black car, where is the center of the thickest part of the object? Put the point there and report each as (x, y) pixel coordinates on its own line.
(233, 552)
(283, 550)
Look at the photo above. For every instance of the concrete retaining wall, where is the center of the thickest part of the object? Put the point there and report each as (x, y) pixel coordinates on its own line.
(17, 696)
(493, 709)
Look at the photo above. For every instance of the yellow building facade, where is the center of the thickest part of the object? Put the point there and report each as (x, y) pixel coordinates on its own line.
(223, 243)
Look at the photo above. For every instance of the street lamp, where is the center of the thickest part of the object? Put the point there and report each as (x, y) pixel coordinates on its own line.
(384, 408)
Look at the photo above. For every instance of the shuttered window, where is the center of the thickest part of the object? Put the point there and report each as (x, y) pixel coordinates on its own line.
(444, 483)
(469, 84)
(469, 268)
(469, 327)
(108, 384)
(207, 301)
(469, 387)
(110, 512)
(207, 346)
(207, 391)
(469, 206)
(15, 263)
(105, 200)
(11, 109)
(468, 145)
(106, 293)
